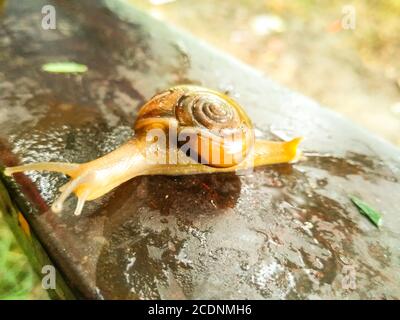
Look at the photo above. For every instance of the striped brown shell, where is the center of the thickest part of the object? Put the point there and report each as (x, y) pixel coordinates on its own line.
(213, 126)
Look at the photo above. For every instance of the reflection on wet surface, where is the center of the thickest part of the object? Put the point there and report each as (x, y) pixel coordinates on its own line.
(353, 164)
(284, 231)
(282, 239)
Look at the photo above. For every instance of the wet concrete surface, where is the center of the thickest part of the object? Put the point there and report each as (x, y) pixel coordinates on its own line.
(284, 231)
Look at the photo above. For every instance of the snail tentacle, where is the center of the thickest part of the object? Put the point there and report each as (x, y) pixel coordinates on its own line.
(57, 205)
(61, 167)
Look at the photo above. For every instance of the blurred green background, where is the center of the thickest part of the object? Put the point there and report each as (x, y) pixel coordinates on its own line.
(301, 44)
(17, 279)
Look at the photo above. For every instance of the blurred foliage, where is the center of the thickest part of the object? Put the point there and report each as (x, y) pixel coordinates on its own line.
(17, 279)
(378, 27)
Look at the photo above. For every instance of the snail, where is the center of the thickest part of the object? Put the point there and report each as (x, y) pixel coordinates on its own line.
(191, 129)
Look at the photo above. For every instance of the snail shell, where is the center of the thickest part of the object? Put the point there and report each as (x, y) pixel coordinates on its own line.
(217, 131)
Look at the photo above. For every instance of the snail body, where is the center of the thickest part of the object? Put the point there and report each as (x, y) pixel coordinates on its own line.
(206, 128)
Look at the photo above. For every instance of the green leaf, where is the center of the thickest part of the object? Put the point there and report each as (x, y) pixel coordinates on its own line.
(366, 210)
(64, 67)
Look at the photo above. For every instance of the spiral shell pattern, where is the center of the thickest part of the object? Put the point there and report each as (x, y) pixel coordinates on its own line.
(207, 110)
(213, 122)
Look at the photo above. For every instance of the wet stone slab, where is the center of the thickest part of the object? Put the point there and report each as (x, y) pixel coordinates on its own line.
(284, 231)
